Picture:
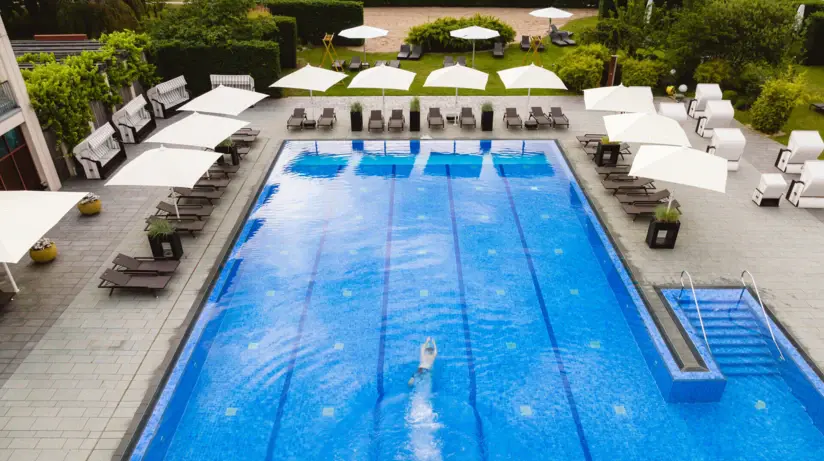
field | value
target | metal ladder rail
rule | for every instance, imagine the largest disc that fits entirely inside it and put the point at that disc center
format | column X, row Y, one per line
column 763, row 310
column 697, row 309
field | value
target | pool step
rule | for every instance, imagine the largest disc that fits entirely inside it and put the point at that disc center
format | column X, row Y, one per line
column 750, row 370
column 741, row 360
column 721, row 350
column 719, row 315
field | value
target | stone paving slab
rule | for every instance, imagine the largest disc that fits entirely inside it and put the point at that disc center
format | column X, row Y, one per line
column 80, row 367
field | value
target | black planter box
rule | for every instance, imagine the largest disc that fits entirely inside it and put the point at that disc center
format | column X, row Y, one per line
column 414, row 120
column 662, row 234
column 356, row 119
column 166, row 246
column 232, row 151
column 486, row 121
column 607, row 154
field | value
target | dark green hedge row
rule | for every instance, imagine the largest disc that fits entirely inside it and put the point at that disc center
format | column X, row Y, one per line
column 288, row 41
column 257, row 58
column 503, row 3
column 606, row 7
column 315, row 18
column 814, row 43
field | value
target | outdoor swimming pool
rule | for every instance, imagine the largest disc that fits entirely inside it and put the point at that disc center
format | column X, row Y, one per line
column 356, row 251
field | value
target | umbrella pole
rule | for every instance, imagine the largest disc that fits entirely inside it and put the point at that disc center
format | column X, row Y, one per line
column 312, row 102
column 473, row 54
column 174, row 200
column 11, row 279
column 383, row 100
column 528, row 92
column 364, row 50
column 456, row 96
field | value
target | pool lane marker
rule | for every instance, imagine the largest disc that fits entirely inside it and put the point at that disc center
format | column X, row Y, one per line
column 470, row 358
column 559, row 360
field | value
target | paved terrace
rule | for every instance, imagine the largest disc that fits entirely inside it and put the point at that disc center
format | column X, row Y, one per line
column 79, row 367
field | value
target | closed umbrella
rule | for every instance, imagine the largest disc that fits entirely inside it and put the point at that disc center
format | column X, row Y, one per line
column 551, row 13
column 620, row 99
column 224, row 100
column 457, row 76
column 645, row 128
column 198, row 130
column 384, row 78
column 474, row 33
column 681, row 165
column 310, row 78
column 364, row 33
column 648, row 12
column 530, row 77
column 33, row 213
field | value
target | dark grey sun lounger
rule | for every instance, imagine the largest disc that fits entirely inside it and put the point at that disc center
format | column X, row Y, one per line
column 404, row 52
column 327, row 118
column 189, row 211
column 434, row 118
column 558, row 117
column 112, row 279
column 817, row 106
column 395, row 63
column 214, row 183
column 375, row 120
column 498, row 50
column 462, row 60
column 611, row 170
column 645, row 209
column 144, row 264
column 642, row 185
column 190, row 225
column 355, row 64
column 448, row 61
column 525, row 43
column 466, row 118
column 208, row 195
column 417, row 52
column 396, row 120
column 655, row 197
column 5, row 298
column 588, row 138
column 297, row 118
column 537, row 114
column 511, row 118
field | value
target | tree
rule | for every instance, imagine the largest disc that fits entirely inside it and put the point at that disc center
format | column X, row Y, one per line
column 213, row 21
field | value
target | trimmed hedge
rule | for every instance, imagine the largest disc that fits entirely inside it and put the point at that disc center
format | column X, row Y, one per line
column 814, row 43
column 288, row 41
column 434, row 36
column 315, row 18
column 258, row 58
column 475, row 3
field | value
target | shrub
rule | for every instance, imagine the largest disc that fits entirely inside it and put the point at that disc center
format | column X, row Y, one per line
column 663, row 213
column 95, row 18
column 582, row 67
column 642, row 72
column 814, row 42
column 213, row 22
column 476, row 3
column 730, row 95
column 315, row 18
column 749, row 80
column 415, row 104
column 714, row 71
column 288, row 40
column 196, row 61
column 434, row 36
column 778, row 98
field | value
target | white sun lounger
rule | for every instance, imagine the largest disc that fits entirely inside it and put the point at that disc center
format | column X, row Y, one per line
column 808, row 192
column 803, row 146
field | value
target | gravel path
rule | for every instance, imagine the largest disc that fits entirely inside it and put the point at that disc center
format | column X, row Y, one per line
column 398, row 20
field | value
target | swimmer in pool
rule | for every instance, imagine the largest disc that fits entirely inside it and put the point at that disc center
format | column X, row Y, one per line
column 429, row 351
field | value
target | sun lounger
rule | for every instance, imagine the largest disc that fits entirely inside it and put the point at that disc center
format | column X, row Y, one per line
column 396, row 120
column 417, row 52
column 213, row 183
column 612, row 170
column 5, row 298
column 375, row 121
column 588, row 138
column 646, row 210
column 511, row 118
column 380, row 63
column 297, row 118
column 404, row 52
column 395, row 63
column 808, row 190
column 339, row 64
column 434, row 118
column 498, row 50
column 448, row 61
column 190, row 225
column 558, row 117
column 560, row 37
column 247, row 132
column 655, row 197
column 112, row 279
column 187, row 211
column 462, row 60
column 524, row 42
column 327, row 118
column 197, row 194
column 537, row 114
column 144, row 264
column 466, row 117
column 817, row 106
column 355, row 64
column 640, row 185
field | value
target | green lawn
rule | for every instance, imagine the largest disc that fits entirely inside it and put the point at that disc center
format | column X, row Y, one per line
column 484, row 61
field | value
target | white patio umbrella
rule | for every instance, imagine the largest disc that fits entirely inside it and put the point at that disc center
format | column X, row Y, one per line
column 474, row 33
column 457, row 76
column 365, row 33
column 551, row 13
column 310, row 78
column 198, row 130
column 681, row 165
column 31, row 214
column 799, row 18
column 224, row 100
column 164, row 167
column 383, row 78
column 645, row 128
column 530, row 77
column 620, row 99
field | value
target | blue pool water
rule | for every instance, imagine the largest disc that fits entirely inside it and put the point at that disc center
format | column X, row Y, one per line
column 357, row 251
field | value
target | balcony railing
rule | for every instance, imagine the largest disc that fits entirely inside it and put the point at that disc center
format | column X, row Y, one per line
column 7, row 102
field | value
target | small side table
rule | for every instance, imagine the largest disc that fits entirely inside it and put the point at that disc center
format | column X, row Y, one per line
column 311, row 124
column 452, row 119
column 531, row 124
column 769, row 190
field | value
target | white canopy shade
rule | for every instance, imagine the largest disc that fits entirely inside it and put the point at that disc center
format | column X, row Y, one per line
column 620, row 99
column 799, row 18
column 673, row 110
column 224, row 100
column 33, row 213
column 681, row 165
column 551, row 13
column 645, row 128
column 310, row 78
column 384, row 78
column 198, row 130
column 363, row 32
column 474, row 33
column 529, row 77
column 457, row 76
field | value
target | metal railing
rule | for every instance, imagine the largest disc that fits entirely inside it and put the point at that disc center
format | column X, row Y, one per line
column 697, row 309
column 7, row 102
column 763, row 309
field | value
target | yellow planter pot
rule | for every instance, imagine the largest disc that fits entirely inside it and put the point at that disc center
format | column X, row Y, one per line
column 45, row 255
column 90, row 208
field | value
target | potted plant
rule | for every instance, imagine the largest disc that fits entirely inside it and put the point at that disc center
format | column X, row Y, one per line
column 227, row 146
column 90, row 204
column 43, row 251
column 356, row 116
column 164, row 240
column 663, row 229
column 487, row 116
column 415, row 114
column 607, row 152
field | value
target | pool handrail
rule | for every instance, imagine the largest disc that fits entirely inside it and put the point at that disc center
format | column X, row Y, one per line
column 763, row 309
column 697, row 309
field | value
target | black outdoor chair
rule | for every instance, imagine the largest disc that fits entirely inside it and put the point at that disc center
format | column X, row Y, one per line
column 405, row 51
